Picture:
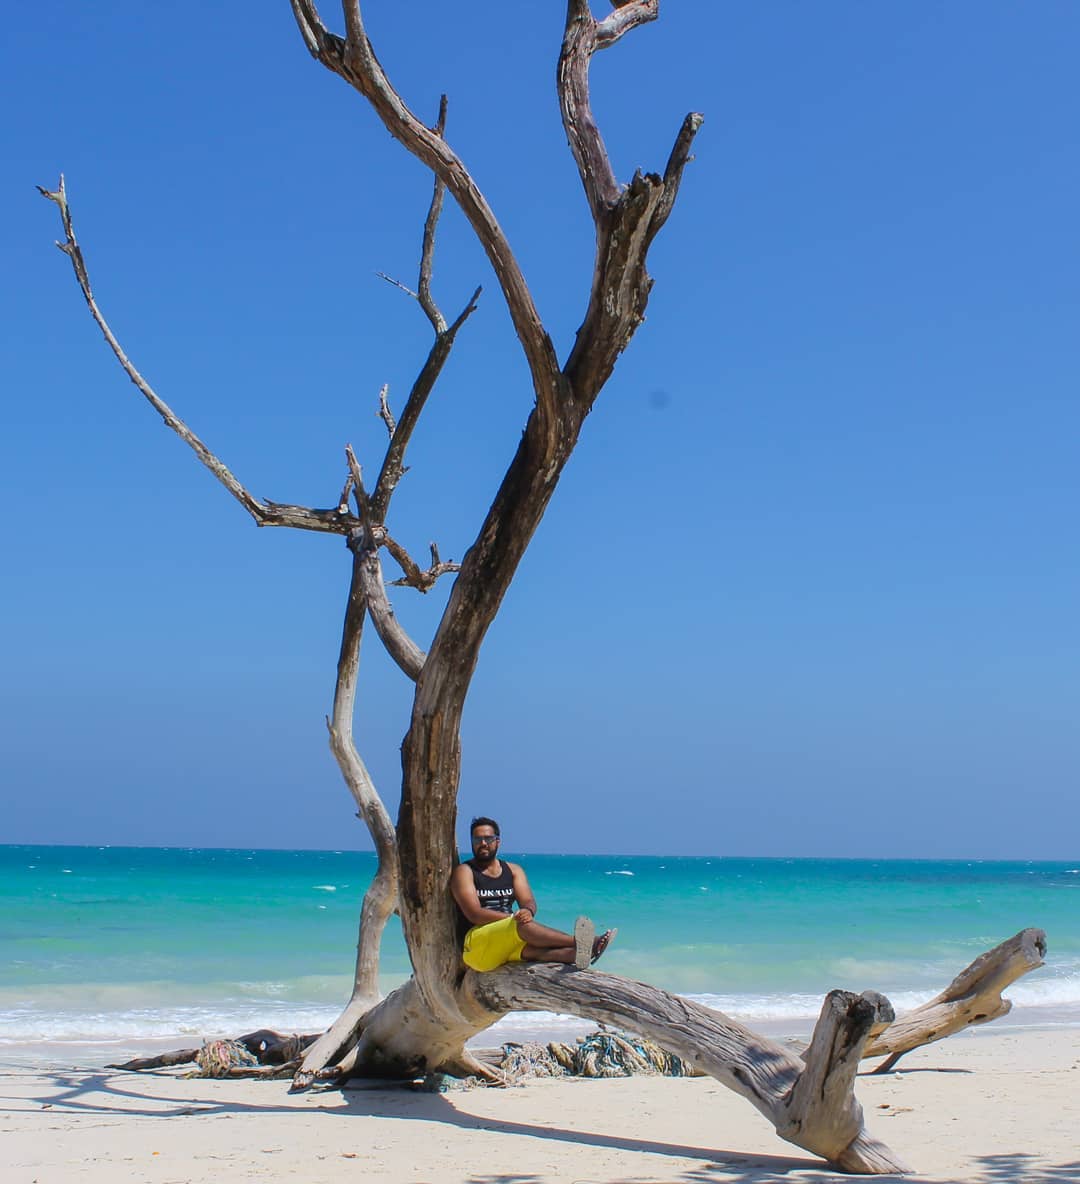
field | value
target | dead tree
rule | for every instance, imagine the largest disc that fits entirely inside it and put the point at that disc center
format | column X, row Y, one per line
column 424, row 1024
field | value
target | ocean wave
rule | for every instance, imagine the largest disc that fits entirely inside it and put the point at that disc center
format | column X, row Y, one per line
column 182, row 1023
column 265, row 1007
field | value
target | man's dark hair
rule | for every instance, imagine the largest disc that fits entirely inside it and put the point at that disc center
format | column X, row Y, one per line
column 484, row 822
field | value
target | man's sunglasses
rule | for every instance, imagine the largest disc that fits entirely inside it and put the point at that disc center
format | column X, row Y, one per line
column 484, row 840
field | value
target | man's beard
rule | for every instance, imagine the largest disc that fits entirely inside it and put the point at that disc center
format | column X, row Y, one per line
column 484, row 860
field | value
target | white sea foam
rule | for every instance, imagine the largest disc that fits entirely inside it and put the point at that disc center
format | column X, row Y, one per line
column 184, row 1023
column 618, row 873
column 325, row 887
column 1054, row 999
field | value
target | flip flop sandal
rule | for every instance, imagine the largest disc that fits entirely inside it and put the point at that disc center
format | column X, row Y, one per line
column 602, row 942
column 584, row 941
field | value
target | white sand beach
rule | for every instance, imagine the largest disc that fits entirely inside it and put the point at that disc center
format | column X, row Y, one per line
column 997, row 1105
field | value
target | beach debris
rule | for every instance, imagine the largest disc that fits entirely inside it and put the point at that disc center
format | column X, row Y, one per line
column 270, row 1054
column 530, row 1059
column 217, row 1057
column 601, row 1054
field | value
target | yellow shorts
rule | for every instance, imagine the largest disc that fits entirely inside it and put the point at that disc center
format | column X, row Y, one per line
column 490, row 946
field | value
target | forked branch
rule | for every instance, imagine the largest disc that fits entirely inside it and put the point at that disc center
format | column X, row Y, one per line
column 401, row 430
column 582, row 37
column 973, row 997
column 353, row 59
column 368, row 579
column 265, row 513
column 393, row 465
column 415, row 576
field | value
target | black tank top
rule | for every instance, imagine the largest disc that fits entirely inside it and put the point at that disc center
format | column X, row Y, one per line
column 495, row 892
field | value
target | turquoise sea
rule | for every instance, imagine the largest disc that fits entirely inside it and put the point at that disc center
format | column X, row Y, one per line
column 117, row 947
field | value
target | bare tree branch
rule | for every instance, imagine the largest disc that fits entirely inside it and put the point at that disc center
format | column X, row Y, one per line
column 414, row 577
column 394, row 463
column 265, row 513
column 586, row 143
column 678, row 160
column 359, row 492
column 621, row 283
column 381, row 897
column 397, row 284
column 354, row 60
column 422, row 295
column 628, row 15
column 582, row 37
column 343, row 500
column 399, row 645
column 427, row 252
column 365, row 545
column 385, row 414
column 626, row 220
column 316, row 36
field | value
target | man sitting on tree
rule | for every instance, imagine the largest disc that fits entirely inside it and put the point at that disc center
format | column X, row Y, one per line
column 486, row 889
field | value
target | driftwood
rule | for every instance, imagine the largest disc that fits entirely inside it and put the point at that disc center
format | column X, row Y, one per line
column 274, row 1052
column 423, row 1026
column 809, row 1101
column 808, row 1098
column 973, row 997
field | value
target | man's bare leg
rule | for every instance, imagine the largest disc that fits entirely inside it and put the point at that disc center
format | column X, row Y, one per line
column 543, row 944
column 552, row 945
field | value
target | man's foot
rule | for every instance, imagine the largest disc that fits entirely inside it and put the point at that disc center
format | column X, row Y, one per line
column 584, row 942
column 602, row 942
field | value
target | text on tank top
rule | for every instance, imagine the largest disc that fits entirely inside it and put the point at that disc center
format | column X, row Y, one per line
column 495, row 892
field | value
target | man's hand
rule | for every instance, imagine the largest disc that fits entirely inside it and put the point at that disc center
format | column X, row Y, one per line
column 524, row 916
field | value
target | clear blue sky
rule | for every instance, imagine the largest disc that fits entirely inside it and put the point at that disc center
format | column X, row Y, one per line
column 810, row 585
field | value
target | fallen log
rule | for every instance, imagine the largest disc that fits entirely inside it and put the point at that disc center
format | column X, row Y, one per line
column 810, row 1101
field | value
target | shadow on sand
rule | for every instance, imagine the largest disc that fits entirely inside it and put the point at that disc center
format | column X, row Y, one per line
column 106, row 1092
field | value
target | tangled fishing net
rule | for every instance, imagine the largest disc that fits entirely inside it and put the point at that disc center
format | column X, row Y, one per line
column 217, row 1057
column 603, row 1054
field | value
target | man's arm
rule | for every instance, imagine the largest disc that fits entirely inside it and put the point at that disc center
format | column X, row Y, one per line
column 463, row 890
column 523, row 894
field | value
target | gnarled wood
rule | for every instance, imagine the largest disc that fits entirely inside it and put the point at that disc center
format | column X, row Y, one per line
column 265, row 513
column 810, row 1103
column 973, row 997
column 820, row 1111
